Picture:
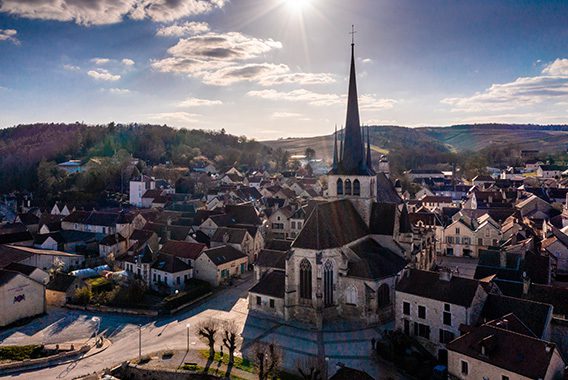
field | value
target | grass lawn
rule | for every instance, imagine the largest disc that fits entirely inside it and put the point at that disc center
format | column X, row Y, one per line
column 245, row 365
column 19, row 353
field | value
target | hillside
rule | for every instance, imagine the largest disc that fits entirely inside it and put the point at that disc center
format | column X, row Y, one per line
column 442, row 140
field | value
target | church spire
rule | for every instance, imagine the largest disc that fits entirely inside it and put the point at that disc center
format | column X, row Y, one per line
column 341, row 143
column 353, row 153
column 335, row 159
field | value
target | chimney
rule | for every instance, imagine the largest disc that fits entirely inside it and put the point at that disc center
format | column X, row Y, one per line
column 445, row 275
column 526, row 284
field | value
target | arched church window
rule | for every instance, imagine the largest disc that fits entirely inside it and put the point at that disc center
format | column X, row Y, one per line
column 347, row 187
column 328, row 283
column 305, row 279
column 383, row 295
column 339, row 186
column 351, row 295
column 356, row 187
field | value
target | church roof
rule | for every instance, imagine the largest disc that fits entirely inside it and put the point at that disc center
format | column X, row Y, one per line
column 386, row 192
column 376, row 261
column 383, row 218
column 331, row 225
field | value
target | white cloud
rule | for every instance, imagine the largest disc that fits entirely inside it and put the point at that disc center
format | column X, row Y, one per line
column 173, row 117
column 101, row 12
column 9, row 35
column 366, row 60
column 104, row 75
column 71, row 67
column 100, row 61
column 285, row 115
column 181, row 30
column 196, row 102
column 550, row 87
column 118, row 91
column 127, row 62
column 224, row 59
column 367, row 102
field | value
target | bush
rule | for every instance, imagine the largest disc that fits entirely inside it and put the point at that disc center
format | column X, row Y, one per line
column 99, row 284
column 20, row 353
column 83, row 295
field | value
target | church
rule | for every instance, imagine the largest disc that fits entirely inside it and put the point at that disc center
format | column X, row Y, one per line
column 346, row 260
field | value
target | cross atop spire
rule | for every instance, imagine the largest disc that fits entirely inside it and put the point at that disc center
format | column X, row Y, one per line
column 352, row 35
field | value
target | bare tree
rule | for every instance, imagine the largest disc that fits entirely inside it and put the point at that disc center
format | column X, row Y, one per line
column 268, row 359
column 310, row 368
column 231, row 338
column 208, row 330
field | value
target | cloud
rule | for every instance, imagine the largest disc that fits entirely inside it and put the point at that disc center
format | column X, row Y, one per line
column 118, row 91
column 181, row 30
column 71, row 67
column 173, row 117
column 367, row 102
column 223, row 59
column 100, row 61
column 9, row 35
column 127, row 62
column 196, row 102
column 285, row 115
column 367, row 60
column 551, row 86
column 101, row 12
column 104, row 75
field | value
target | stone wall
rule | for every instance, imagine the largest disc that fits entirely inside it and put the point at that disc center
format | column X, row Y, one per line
column 132, row 372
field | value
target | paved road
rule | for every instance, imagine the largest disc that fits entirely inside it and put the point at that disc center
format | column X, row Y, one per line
column 350, row 347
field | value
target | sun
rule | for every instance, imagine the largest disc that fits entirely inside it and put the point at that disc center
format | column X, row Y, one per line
column 297, row 5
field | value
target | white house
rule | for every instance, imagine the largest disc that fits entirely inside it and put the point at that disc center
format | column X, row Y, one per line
column 20, row 297
column 218, row 265
column 138, row 187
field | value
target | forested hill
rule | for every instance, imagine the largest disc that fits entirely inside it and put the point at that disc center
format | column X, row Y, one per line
column 415, row 147
column 24, row 146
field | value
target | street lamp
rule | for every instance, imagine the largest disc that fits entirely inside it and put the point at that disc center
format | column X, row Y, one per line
column 97, row 320
column 187, row 326
column 326, row 367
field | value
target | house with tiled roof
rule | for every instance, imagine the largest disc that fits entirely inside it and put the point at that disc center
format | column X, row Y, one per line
column 219, row 265
column 502, row 350
column 432, row 306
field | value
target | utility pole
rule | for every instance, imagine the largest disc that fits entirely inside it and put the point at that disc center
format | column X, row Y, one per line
column 187, row 326
column 139, row 343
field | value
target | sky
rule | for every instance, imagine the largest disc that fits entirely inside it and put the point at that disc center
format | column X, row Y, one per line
column 278, row 68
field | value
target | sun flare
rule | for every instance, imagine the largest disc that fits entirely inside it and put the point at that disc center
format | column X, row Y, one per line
column 297, row 5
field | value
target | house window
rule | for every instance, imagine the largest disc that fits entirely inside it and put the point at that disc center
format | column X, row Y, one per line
column 480, row 241
column 422, row 312
column 299, row 225
column 339, row 187
column 154, row 277
column 258, row 300
column 356, row 187
column 407, row 327
column 347, row 187
column 383, row 296
column 294, row 225
column 305, row 279
column 447, row 318
column 464, row 367
column 446, row 336
column 406, row 308
column 504, row 377
column 457, row 231
column 487, row 233
column 422, row 330
column 272, row 303
column 178, row 280
column 450, row 239
column 466, row 240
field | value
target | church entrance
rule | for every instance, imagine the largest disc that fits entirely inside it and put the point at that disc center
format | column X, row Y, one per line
column 328, row 283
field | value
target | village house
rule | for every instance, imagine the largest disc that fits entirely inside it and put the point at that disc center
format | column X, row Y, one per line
column 503, row 349
column 62, row 288
column 550, row 171
column 432, row 306
column 466, row 235
column 218, row 265
column 20, row 297
column 138, row 187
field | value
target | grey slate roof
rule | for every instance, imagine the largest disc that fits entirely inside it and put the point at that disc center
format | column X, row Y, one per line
column 271, row 285
column 330, row 225
column 376, row 261
column 458, row 291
